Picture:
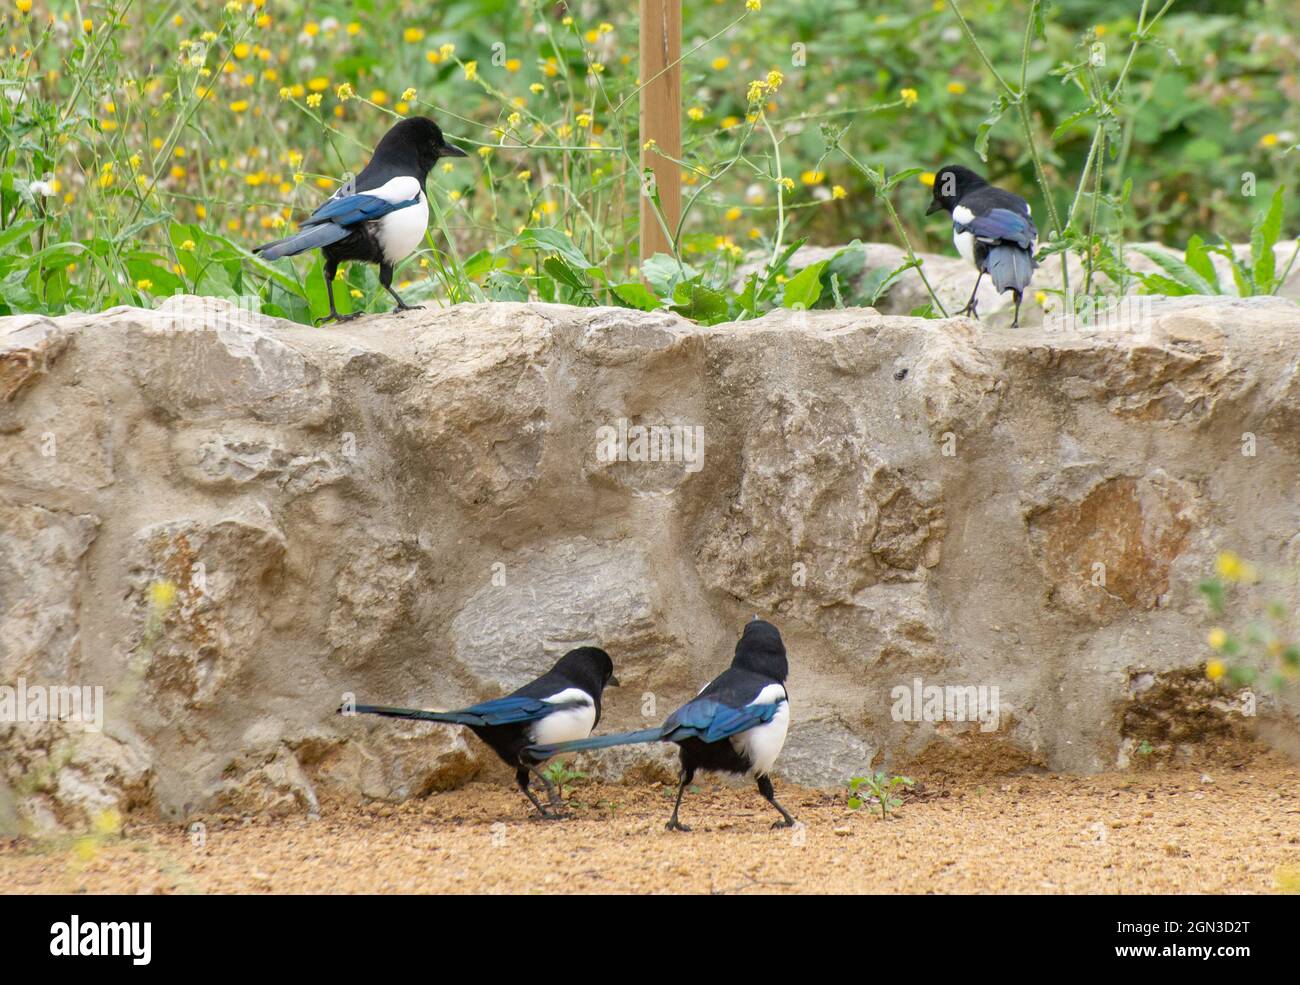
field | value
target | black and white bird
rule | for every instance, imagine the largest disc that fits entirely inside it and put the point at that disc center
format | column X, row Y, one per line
column 736, row 724
column 991, row 228
column 381, row 216
column 562, row 704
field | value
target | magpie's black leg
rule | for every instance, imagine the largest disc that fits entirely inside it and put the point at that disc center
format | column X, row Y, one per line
column 386, row 278
column 1016, row 323
column 521, row 778
column 329, row 271
column 673, row 823
column 970, row 305
column 553, row 797
column 765, row 788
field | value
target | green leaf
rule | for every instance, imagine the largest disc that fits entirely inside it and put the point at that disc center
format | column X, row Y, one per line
column 547, row 239
column 804, row 288
column 662, row 272
column 1183, row 274
column 700, row 303
column 985, row 130
column 636, row 295
column 1264, row 234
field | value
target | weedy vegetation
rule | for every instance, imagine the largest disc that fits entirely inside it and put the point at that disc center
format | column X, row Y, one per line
column 882, row 788
column 146, row 148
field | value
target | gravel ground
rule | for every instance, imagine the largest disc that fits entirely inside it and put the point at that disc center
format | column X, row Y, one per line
column 1228, row 831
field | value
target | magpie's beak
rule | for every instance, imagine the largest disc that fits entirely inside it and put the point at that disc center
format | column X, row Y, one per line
column 934, row 207
column 450, row 150
column 612, row 682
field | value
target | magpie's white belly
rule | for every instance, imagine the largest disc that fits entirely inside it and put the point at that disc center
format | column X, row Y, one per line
column 965, row 243
column 402, row 231
column 762, row 744
column 569, row 724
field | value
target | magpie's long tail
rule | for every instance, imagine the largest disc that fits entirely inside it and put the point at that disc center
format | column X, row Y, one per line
column 536, row 754
column 451, row 717
column 1011, row 267
column 310, row 238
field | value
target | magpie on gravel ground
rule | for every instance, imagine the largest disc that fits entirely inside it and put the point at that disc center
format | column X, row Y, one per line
column 378, row 218
column 736, row 724
column 991, row 228
column 562, row 704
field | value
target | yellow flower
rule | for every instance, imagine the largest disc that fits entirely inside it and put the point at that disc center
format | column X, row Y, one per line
column 1040, row 297
column 813, row 177
column 484, row 152
column 755, row 92
column 525, row 176
column 729, row 122
column 1233, row 568
column 241, row 50
column 732, row 214
column 1268, row 140
column 956, row 88
column 24, row 6
column 344, row 92
column 413, row 35
column 909, row 97
column 311, row 29
column 605, row 27
column 513, row 64
column 471, row 71
column 107, row 822
column 583, row 120
column 926, row 178
column 318, row 84
column 379, row 97
column 144, row 285
column 1099, row 30
column 536, row 88
column 1215, row 669
column 87, row 25
column 598, row 68
column 313, row 100
column 719, row 63
column 239, row 106
column 356, row 293
column 446, row 51
column 774, row 80
column 408, row 95
column 188, row 246
column 695, row 113
column 284, row 92
column 1217, row 638
column 162, row 594
column 754, row 6
column 787, row 184
column 837, row 191
column 354, row 28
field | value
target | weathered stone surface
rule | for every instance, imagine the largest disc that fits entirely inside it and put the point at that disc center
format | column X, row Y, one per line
column 416, row 510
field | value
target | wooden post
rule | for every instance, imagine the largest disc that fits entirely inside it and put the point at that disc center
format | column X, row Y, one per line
column 661, row 118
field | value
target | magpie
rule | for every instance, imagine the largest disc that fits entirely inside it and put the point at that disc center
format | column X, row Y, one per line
column 562, row 704
column 381, row 216
column 991, row 228
column 736, row 724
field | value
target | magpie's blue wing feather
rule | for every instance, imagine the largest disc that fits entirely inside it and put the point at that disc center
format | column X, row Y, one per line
column 710, row 720
column 353, row 209
column 1002, row 225
column 512, row 709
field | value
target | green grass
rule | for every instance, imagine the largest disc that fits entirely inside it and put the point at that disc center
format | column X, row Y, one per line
column 147, row 148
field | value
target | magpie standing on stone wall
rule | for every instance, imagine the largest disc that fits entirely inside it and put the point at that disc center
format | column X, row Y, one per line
column 991, row 228
column 378, row 218
column 736, row 724
column 562, row 704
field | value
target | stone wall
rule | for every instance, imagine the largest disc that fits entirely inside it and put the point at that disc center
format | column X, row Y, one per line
column 230, row 522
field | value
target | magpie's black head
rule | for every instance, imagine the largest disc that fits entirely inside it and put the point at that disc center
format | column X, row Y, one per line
column 760, row 650
column 589, row 667
column 951, row 184
column 415, row 145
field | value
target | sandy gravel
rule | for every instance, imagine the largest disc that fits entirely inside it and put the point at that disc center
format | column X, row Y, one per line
column 1222, row 832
